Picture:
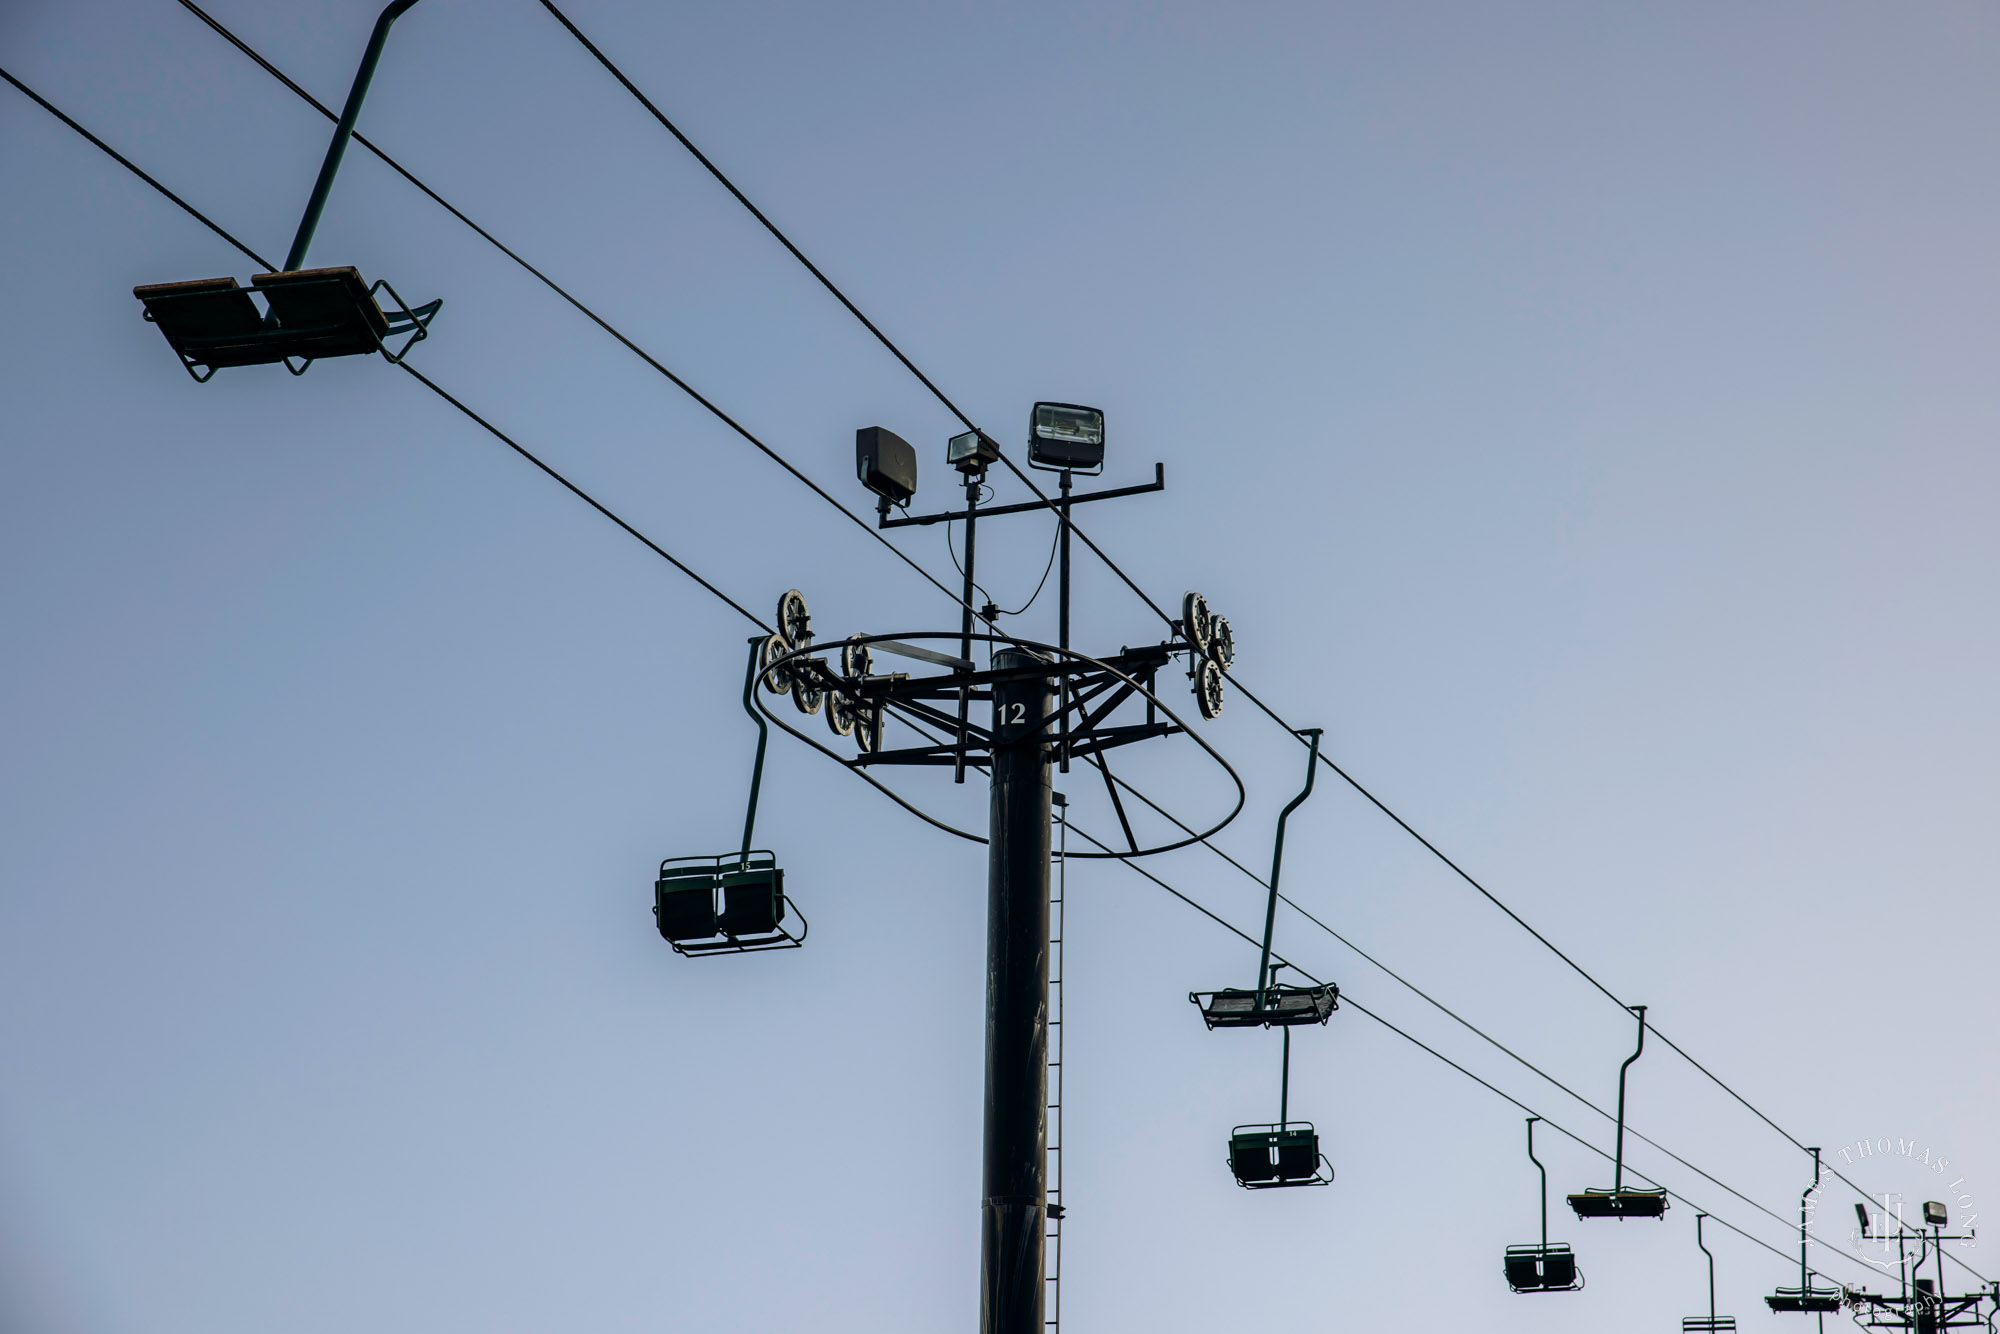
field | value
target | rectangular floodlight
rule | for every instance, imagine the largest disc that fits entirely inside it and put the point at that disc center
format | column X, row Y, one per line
column 1064, row 437
column 971, row 451
column 886, row 463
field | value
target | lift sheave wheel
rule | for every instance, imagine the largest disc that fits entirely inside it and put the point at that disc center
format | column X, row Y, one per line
column 777, row 680
column 840, row 713
column 794, row 621
column 1196, row 620
column 1809, row 1301
column 1208, row 688
column 1221, row 642
column 807, row 691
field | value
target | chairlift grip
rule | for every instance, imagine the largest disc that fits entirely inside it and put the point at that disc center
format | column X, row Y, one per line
column 1312, row 735
column 1618, row 1164
column 763, row 736
column 343, row 131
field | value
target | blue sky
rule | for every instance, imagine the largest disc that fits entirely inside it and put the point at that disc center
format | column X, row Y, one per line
column 1585, row 414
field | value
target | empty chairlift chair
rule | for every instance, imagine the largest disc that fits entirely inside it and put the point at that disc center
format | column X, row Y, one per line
column 1281, row 1153
column 1807, row 1298
column 1710, row 1323
column 1285, row 1152
column 1543, row 1268
column 1622, row 1201
column 733, row 903
column 307, row 314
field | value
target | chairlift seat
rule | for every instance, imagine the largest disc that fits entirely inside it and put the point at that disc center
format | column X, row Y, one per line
column 1270, row 1155
column 1704, row 1324
column 1550, row 1268
column 1808, row 1300
column 753, row 902
column 752, row 912
column 1283, row 1006
column 309, row 313
column 684, row 902
column 211, row 322
column 324, row 312
column 1628, row 1203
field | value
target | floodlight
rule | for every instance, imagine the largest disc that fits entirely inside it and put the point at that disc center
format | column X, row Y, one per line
column 1934, row 1213
column 1861, row 1212
column 1063, row 437
column 886, row 464
column 971, row 452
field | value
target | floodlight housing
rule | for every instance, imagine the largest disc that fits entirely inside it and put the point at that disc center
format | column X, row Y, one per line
column 886, row 464
column 1066, row 437
column 1934, row 1215
column 971, row 452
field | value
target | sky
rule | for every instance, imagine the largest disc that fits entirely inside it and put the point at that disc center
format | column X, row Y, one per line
column 1584, row 413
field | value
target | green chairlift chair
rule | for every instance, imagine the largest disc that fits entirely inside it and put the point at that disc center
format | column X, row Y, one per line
column 1543, row 1268
column 1807, row 1298
column 307, row 314
column 1285, row 1153
column 1269, row 1004
column 734, row 903
column 1622, row 1201
column 1710, row 1323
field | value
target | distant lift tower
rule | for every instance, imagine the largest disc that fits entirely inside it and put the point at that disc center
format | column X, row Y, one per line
column 1921, row 1304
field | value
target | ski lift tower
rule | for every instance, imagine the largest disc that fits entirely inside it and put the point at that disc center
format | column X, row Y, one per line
column 1051, row 705
column 1922, row 1304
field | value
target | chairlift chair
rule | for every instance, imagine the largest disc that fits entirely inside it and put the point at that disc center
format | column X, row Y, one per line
column 307, row 314
column 1710, row 1323
column 1545, row 1267
column 733, row 903
column 1270, row 1004
column 1280, row 1153
column 1622, row 1201
column 1284, row 1153
column 1807, row 1298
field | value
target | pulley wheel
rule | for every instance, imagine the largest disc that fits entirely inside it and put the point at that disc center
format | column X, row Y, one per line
column 807, row 692
column 1221, row 641
column 794, row 621
column 1208, row 688
column 856, row 659
column 840, row 714
column 779, row 680
column 865, row 718
column 1196, row 621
